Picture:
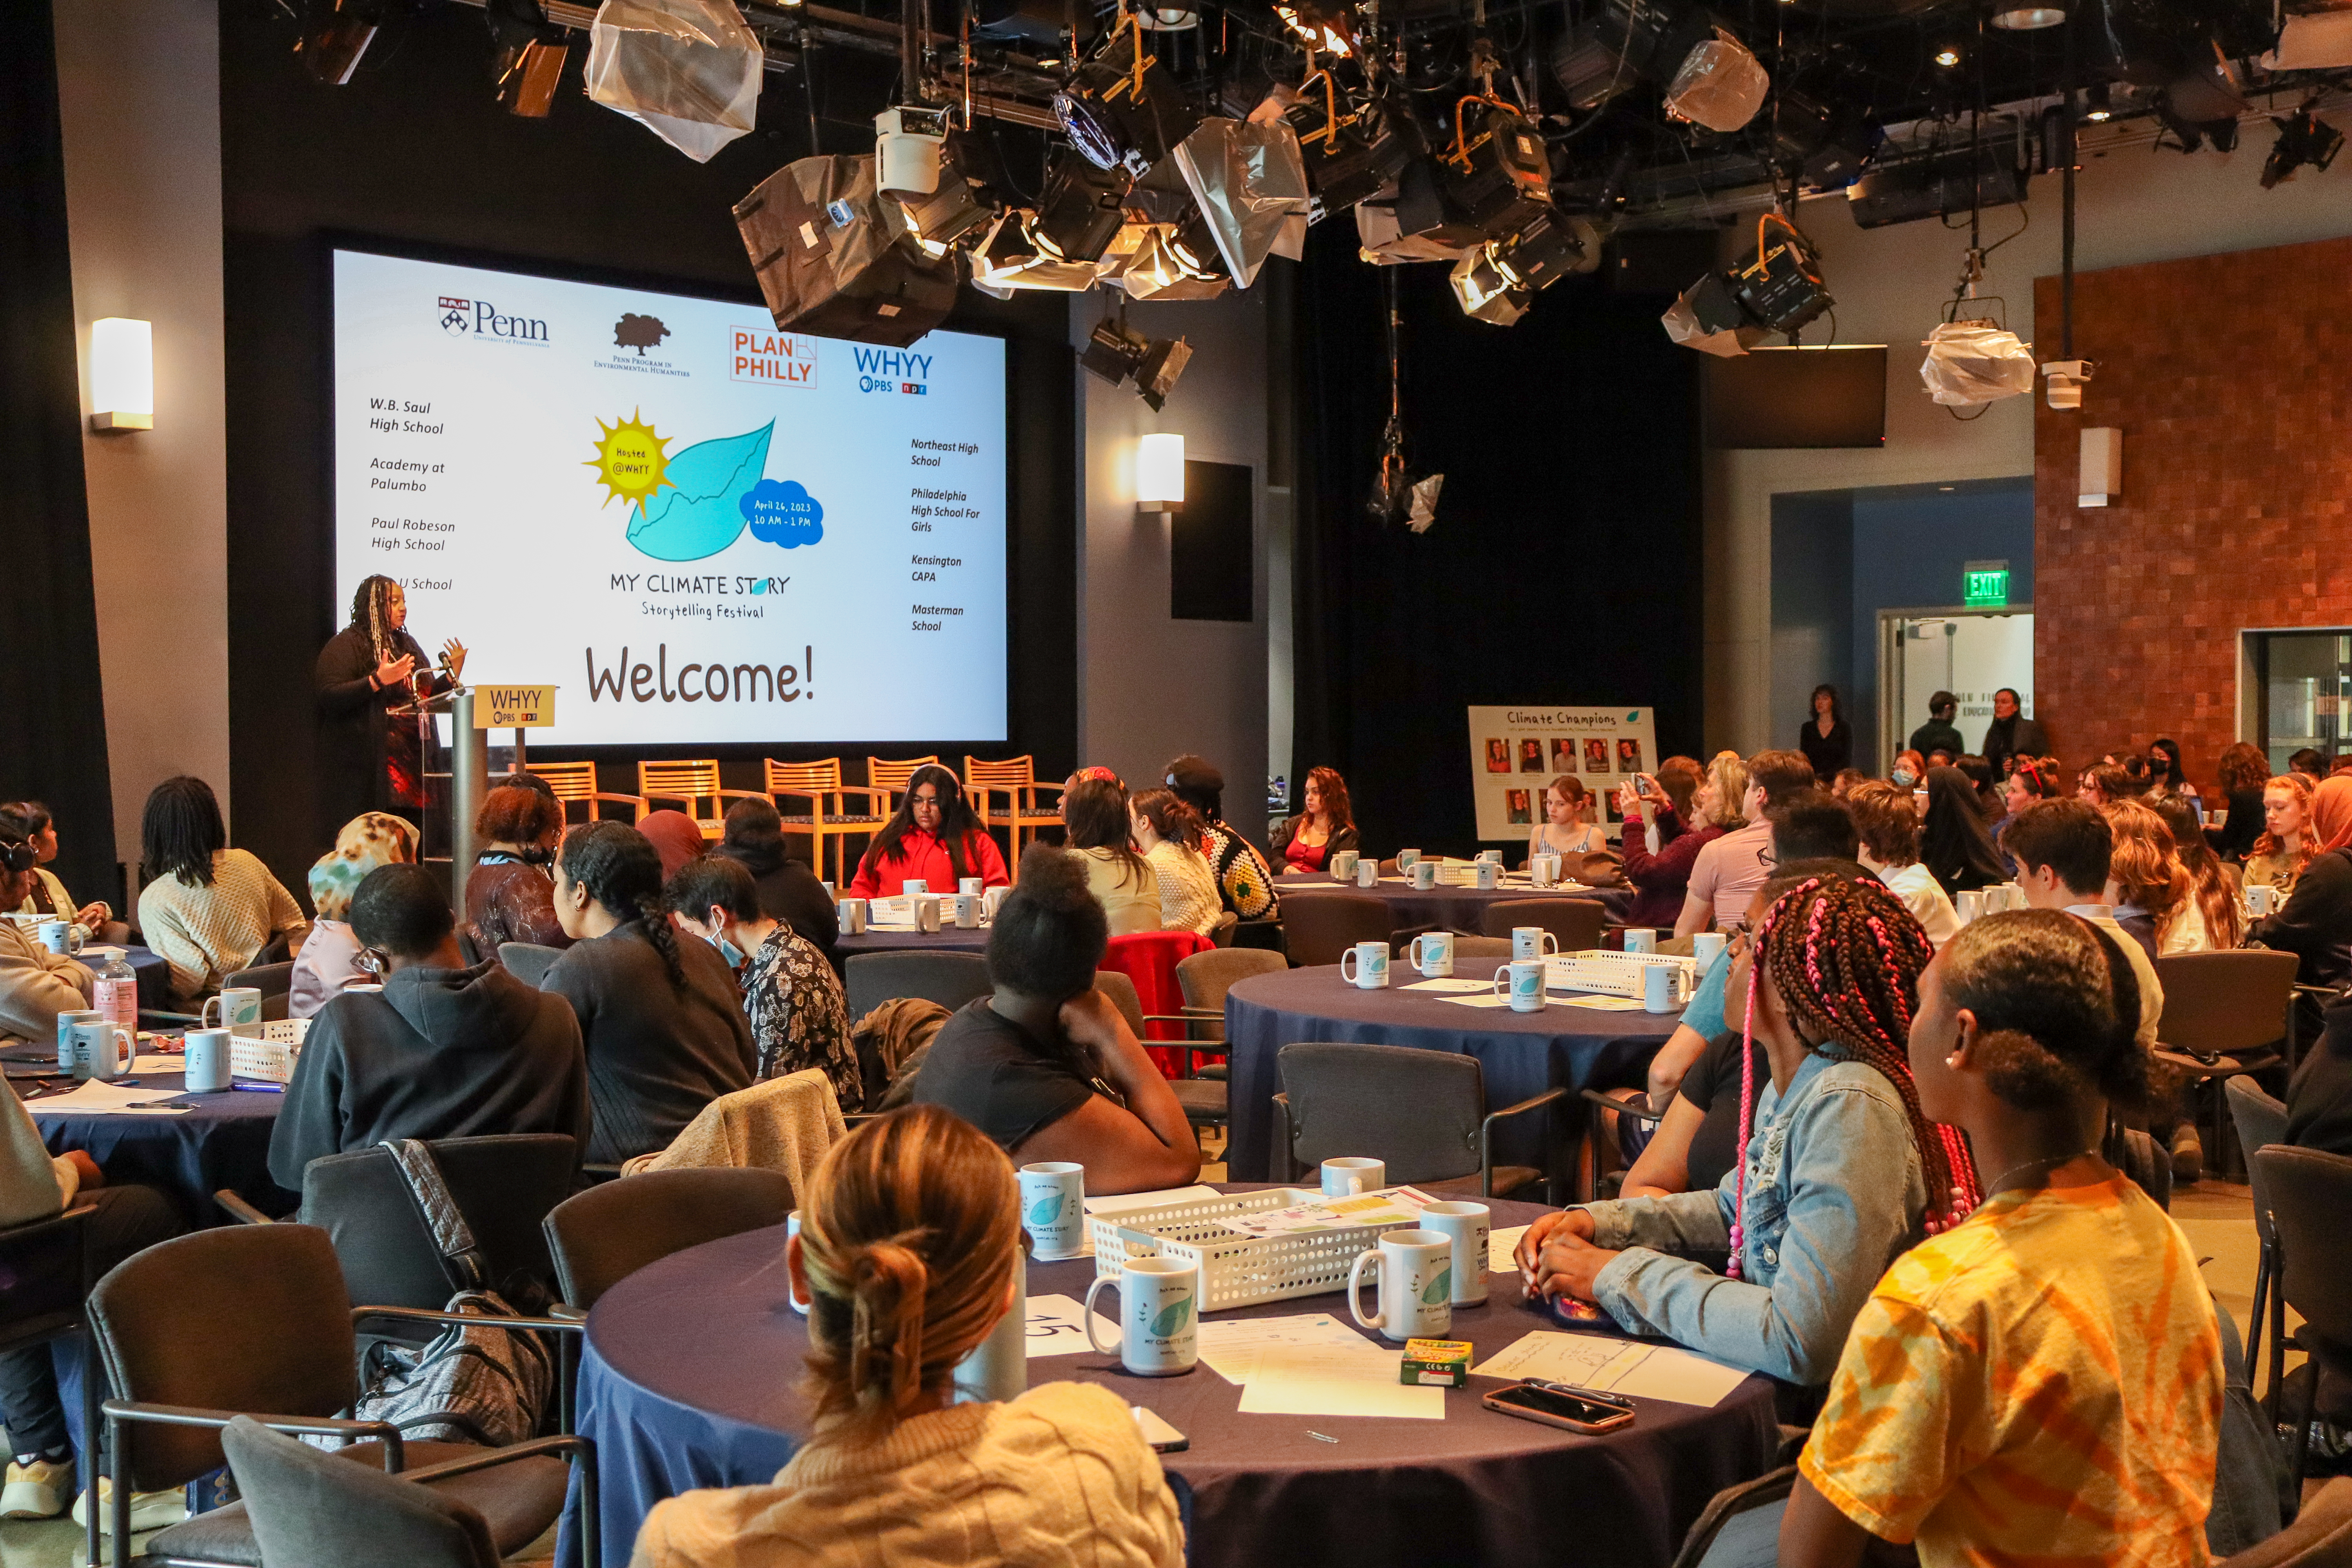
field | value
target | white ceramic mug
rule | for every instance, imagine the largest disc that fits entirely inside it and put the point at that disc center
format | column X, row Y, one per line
column 1159, row 1315
column 992, row 900
column 927, row 913
column 239, row 1011
column 1522, row 980
column 206, row 1063
column 1343, row 865
column 1490, row 856
column 1405, row 857
column 1543, row 870
column 66, row 1022
column 1415, row 1288
column 1489, row 875
column 2257, row 899
column 63, row 937
column 102, row 1049
column 1432, row 952
column 1659, row 992
column 1706, row 947
column 1350, row 1175
column 800, row 1302
column 1968, row 904
column 915, row 888
column 1532, row 941
column 851, row 913
column 1422, row 874
column 1371, row 966
column 997, row 1369
column 1368, row 873
column 1466, row 1225
column 1641, row 939
column 1054, row 1208
column 975, row 886
column 832, row 894
column 966, row 911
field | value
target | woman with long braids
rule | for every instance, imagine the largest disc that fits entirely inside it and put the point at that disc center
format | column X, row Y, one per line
column 1842, row 1172
column 910, row 1234
column 934, row 837
column 661, row 1020
column 372, row 761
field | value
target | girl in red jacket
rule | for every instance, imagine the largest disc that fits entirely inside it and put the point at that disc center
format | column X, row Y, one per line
column 935, row 838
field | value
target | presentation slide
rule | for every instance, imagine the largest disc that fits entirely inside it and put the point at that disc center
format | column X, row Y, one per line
column 698, row 529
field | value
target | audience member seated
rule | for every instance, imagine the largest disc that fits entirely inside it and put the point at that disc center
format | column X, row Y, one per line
column 1047, row 1066
column 2064, row 851
column 445, row 1050
column 1843, row 785
column 789, row 890
column 34, row 1185
column 2166, row 778
column 30, row 821
column 1939, row 733
column 1953, row 842
column 509, row 897
column 2317, row 924
column 2244, row 772
column 329, row 957
column 1567, row 829
column 211, row 910
column 36, row 985
column 2103, row 784
column 2310, row 763
column 660, row 1019
column 934, row 837
column 2277, row 857
column 1095, row 812
column 2028, row 781
column 2010, row 733
column 910, row 1235
column 1244, row 881
column 1940, row 1427
column 791, row 997
column 1729, row 870
column 1829, row 990
column 1910, row 769
column 1169, row 833
column 1889, row 830
column 2319, row 1096
column 1984, row 781
column 2146, row 884
column 1825, row 738
column 1684, row 809
column 1308, row 841
column 2213, row 895
column 676, row 837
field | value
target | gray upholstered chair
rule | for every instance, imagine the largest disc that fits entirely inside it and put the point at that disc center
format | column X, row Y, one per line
column 274, row 981
column 2261, row 1122
column 2310, row 1191
column 1421, row 1113
column 603, row 1235
column 527, row 960
column 1319, row 927
column 950, row 979
column 2224, row 1014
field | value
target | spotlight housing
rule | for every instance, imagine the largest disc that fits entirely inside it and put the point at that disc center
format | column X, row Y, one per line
column 2304, row 140
column 2029, row 18
column 2098, row 104
column 335, row 34
column 1351, row 152
column 1499, row 178
column 1123, row 109
column 1080, row 213
column 1948, row 56
column 531, row 52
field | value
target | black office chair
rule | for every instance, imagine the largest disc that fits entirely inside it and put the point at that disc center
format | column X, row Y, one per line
column 44, row 1281
column 2261, row 1121
column 1741, row 1524
column 603, row 1235
column 1319, row 927
column 950, row 979
column 1576, row 922
column 2310, row 1193
column 1422, row 1114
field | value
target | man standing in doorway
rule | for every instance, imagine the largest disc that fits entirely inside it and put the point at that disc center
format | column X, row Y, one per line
column 1939, row 733
column 2011, row 734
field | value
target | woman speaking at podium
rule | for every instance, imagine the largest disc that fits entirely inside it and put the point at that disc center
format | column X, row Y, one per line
column 371, row 759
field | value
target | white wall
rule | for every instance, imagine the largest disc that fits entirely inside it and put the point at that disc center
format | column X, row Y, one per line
column 1150, row 686
column 139, row 85
column 2133, row 204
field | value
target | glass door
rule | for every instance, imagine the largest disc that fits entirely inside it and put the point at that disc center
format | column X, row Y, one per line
column 2306, row 680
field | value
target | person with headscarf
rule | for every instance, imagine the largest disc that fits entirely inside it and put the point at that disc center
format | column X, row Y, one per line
column 372, row 759
column 676, row 838
column 1953, row 842
column 329, row 957
column 2317, row 923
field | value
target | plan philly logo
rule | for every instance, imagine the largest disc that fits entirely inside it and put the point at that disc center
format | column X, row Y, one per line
column 482, row 321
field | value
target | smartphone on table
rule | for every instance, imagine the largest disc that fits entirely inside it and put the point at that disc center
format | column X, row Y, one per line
column 1562, row 1404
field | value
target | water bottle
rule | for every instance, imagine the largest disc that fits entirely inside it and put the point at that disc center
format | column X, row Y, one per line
column 117, row 992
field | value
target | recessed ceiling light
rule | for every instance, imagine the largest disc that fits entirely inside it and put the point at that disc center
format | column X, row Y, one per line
column 2029, row 18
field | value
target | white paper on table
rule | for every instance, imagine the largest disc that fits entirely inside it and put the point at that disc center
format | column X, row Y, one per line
column 1485, row 984
column 1336, row 1380
column 1615, row 1366
column 1488, row 1000
column 96, row 950
column 1385, row 1207
column 1605, row 1004
column 1229, row 1346
column 1500, row 1246
column 97, row 1098
column 1057, row 1325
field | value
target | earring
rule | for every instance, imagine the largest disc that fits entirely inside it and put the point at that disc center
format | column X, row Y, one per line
column 1953, row 1060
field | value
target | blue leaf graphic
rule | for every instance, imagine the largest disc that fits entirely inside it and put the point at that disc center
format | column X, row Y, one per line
column 1046, row 1210
column 1171, row 1317
column 701, row 515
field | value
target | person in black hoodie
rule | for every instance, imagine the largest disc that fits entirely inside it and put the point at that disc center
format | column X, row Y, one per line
column 442, row 1051
column 789, row 890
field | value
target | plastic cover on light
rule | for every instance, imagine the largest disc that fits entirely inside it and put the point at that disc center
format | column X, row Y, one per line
column 1250, row 180
column 1720, row 85
column 1681, row 324
column 1970, row 363
column 688, row 70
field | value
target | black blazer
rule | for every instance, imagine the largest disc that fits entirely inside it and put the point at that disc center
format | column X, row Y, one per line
column 1831, row 753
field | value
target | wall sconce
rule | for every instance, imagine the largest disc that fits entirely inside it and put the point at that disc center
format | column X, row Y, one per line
column 1158, row 473
column 121, row 375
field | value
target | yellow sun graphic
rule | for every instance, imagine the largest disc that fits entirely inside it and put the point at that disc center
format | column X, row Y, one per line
column 629, row 460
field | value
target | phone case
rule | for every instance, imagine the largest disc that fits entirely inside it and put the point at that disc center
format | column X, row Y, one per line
column 1588, row 1428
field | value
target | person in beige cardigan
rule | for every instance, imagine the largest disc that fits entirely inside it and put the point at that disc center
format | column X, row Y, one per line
column 36, row 985
column 1058, row 1478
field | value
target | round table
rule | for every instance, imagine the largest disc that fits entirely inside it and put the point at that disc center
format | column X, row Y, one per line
column 1521, row 1054
column 947, row 938
column 221, row 1142
column 690, row 1378
column 1445, row 906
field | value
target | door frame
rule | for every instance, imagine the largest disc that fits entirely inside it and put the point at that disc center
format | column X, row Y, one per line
column 1891, row 731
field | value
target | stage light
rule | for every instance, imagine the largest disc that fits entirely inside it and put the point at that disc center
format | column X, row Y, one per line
column 2098, row 104
column 1720, row 85
column 2029, row 18
column 122, row 373
column 2066, row 378
column 1974, row 362
column 835, row 260
column 1010, row 258
column 1485, row 292
column 1349, row 152
column 2302, row 138
column 1249, row 183
column 1548, row 249
column 1125, row 110
column 1780, row 286
column 1948, row 55
column 531, row 52
column 908, row 143
column 1324, row 29
column 1156, row 377
column 1112, row 351
column 1499, row 179
column 688, row 70
column 335, row 34
column 1158, row 473
column 1081, row 212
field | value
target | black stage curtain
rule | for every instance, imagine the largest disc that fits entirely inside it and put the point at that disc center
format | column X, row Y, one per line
column 1564, row 564
column 52, row 721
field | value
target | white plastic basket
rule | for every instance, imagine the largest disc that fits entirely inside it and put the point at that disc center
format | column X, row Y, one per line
column 1616, row 973
column 1237, row 1270
column 270, row 1058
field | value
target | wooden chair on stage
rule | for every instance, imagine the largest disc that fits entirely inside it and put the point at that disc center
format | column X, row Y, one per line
column 828, row 814
column 1016, row 780
column 575, row 783
column 886, row 781
column 694, row 785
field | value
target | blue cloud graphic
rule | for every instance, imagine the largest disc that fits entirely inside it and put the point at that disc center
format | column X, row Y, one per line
column 782, row 512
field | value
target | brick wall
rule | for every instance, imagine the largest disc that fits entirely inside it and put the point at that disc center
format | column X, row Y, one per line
column 2231, row 378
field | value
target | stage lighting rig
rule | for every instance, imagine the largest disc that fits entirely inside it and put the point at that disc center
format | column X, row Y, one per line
column 1009, row 257
column 1081, row 212
column 1321, row 30
column 1117, row 354
column 335, row 34
column 1497, row 177
column 1123, row 109
column 1778, row 288
column 1485, row 292
column 1720, row 85
column 2304, row 140
column 530, row 57
column 1351, row 152
column 833, row 259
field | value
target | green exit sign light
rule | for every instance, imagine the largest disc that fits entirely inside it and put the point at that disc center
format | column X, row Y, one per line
column 1985, row 584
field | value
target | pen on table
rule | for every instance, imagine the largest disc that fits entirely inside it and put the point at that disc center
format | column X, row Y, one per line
column 260, row 1087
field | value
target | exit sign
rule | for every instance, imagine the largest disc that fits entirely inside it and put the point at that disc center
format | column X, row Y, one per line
column 1984, row 585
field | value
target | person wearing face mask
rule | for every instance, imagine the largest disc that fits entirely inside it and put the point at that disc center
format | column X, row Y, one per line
column 793, row 999
column 1938, row 733
column 509, row 897
column 934, row 837
column 1910, row 768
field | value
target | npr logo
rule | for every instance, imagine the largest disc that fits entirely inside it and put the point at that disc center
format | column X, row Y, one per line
column 480, row 319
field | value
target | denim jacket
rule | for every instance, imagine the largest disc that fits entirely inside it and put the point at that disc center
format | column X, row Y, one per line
column 1825, row 1216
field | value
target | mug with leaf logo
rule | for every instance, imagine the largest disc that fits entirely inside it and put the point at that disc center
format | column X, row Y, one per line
column 1414, row 1282
column 1054, row 1208
column 1159, row 1315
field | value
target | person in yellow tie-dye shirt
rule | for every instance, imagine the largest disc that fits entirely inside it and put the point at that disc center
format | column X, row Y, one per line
column 2042, row 1384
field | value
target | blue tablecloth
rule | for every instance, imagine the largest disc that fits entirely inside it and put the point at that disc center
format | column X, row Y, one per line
column 154, row 975
column 1521, row 1054
column 1445, row 906
column 690, row 1379
column 947, row 938
column 222, row 1144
